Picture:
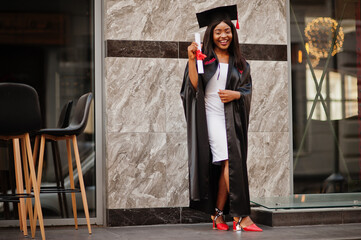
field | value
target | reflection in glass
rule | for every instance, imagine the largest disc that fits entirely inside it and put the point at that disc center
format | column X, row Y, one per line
column 335, row 88
column 319, row 33
column 310, row 85
column 336, row 109
column 49, row 45
column 350, row 108
column 350, row 87
column 326, row 117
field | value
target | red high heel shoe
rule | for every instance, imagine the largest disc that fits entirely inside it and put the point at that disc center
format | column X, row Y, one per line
column 219, row 226
column 251, row 228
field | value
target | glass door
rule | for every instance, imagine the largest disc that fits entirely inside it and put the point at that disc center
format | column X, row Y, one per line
column 50, row 46
column 326, row 95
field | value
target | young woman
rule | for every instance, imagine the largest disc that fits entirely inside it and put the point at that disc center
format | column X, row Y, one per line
column 217, row 106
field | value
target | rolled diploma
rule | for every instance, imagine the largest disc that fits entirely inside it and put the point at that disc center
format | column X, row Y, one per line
column 199, row 62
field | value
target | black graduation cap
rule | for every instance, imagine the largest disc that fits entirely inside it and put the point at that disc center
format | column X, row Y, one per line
column 209, row 16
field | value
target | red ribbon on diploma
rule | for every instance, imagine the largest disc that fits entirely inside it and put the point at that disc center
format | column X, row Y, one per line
column 200, row 55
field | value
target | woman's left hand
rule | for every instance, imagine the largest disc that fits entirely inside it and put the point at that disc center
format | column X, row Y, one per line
column 228, row 95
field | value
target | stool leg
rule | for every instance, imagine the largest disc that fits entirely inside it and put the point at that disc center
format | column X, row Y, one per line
column 36, row 149
column 20, row 218
column 20, row 189
column 35, row 187
column 41, row 160
column 29, row 204
column 40, row 171
column 81, row 182
column 71, row 177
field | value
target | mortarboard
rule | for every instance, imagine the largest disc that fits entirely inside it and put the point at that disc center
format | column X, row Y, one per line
column 209, row 16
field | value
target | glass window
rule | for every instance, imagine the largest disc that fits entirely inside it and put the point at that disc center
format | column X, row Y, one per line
column 325, row 38
column 49, row 45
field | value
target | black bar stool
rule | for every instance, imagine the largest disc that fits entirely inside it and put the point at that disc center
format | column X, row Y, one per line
column 19, row 116
column 76, row 127
column 63, row 122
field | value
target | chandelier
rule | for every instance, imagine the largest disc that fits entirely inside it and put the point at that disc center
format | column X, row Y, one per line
column 319, row 33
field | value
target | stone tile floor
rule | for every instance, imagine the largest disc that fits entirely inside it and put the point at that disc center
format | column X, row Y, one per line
column 192, row 231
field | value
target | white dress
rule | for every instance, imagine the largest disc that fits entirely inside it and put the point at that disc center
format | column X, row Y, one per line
column 215, row 115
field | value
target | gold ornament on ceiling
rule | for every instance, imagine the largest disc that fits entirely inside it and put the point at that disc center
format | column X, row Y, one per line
column 319, row 33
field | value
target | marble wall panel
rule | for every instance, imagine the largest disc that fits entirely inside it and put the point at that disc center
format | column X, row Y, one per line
column 261, row 22
column 136, row 170
column 146, row 133
column 136, row 94
column 268, row 164
column 175, row 119
column 154, row 20
column 177, row 170
column 147, row 170
column 270, row 107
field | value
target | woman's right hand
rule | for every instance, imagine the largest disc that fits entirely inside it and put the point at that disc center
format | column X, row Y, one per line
column 192, row 51
column 192, row 54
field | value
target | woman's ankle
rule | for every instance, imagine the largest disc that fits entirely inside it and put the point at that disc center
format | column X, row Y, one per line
column 246, row 221
column 220, row 220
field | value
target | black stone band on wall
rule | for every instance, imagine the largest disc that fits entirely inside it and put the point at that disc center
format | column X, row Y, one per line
column 151, row 216
column 162, row 49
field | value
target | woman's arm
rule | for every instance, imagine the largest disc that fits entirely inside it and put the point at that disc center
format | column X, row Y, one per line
column 193, row 74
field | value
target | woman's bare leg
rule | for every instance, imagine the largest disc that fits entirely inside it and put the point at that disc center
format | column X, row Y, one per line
column 223, row 189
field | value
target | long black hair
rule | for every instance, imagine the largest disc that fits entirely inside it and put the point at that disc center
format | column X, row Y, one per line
column 233, row 49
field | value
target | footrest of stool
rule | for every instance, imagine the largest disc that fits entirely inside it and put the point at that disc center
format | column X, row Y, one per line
column 14, row 197
column 58, row 190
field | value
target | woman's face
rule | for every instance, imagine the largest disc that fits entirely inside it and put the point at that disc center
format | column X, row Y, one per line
column 222, row 36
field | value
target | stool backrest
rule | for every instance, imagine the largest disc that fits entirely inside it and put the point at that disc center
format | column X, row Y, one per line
column 64, row 117
column 81, row 113
column 19, row 109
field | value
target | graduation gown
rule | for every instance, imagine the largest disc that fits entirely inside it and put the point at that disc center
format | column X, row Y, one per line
column 203, row 175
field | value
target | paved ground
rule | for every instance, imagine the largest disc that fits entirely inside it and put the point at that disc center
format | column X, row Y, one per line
column 192, row 231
